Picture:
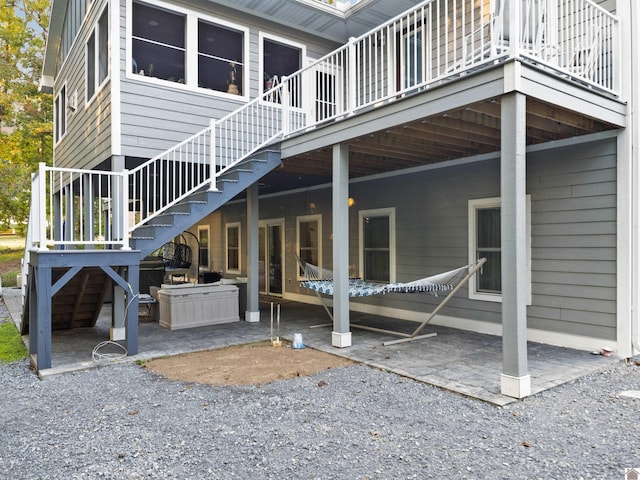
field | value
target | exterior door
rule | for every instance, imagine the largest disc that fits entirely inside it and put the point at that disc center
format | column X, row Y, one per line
column 270, row 258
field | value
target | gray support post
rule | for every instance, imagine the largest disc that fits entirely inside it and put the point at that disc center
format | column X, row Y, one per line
column 88, row 210
column 117, row 165
column 43, row 314
column 118, row 308
column 57, row 218
column 69, row 214
column 133, row 276
column 515, row 380
column 33, row 307
column 341, row 336
column 253, row 282
column 118, row 321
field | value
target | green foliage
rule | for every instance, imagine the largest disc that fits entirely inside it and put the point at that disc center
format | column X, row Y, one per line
column 12, row 347
column 25, row 114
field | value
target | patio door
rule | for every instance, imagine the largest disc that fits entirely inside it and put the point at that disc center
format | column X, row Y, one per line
column 270, row 258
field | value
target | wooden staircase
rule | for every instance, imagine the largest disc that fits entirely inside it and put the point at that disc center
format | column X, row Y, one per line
column 177, row 218
column 78, row 303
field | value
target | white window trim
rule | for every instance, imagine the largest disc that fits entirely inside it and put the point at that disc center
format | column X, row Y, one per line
column 309, row 218
column 262, row 36
column 379, row 212
column 60, row 110
column 493, row 202
column 191, row 51
column 204, row 228
column 98, row 86
column 226, row 247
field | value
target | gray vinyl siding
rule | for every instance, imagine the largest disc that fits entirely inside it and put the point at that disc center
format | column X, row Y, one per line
column 156, row 117
column 574, row 241
column 573, row 235
column 87, row 141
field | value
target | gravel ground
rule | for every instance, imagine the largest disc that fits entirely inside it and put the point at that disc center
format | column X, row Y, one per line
column 124, row 422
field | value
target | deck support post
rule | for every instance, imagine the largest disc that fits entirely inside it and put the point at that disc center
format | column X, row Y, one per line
column 122, row 266
column 133, row 279
column 118, row 306
column 42, row 323
column 253, row 281
column 117, row 165
column 341, row 336
column 515, row 381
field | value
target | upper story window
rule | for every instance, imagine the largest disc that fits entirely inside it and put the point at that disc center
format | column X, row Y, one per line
column 176, row 45
column 279, row 59
column 158, row 43
column 220, row 60
column 97, row 56
column 377, row 245
column 60, row 114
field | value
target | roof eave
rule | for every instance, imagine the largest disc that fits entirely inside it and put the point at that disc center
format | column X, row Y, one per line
column 54, row 36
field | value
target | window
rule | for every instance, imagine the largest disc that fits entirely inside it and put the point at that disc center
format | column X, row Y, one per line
column 309, row 240
column 410, row 54
column 176, row 45
column 377, row 245
column 97, row 56
column 103, row 47
column 158, row 43
column 91, row 66
column 233, row 247
column 279, row 60
column 485, row 241
column 203, row 245
column 60, row 114
column 220, row 60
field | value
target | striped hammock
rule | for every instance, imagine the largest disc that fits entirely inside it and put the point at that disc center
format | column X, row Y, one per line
column 321, row 281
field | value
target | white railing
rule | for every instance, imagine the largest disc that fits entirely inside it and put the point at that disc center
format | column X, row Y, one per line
column 176, row 173
column 78, row 208
column 588, row 43
column 435, row 41
column 438, row 40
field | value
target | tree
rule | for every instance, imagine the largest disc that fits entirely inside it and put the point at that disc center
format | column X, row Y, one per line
column 25, row 114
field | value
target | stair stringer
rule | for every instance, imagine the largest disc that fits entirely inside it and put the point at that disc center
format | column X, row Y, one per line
column 161, row 229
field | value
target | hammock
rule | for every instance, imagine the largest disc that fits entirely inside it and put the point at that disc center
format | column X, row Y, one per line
column 320, row 280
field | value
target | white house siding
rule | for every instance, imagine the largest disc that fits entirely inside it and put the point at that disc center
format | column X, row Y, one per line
column 156, row 117
column 87, row 141
column 573, row 223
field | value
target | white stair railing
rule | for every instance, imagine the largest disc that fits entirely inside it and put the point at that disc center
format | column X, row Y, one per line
column 196, row 162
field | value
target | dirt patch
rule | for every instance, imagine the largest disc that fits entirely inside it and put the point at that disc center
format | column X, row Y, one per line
column 255, row 363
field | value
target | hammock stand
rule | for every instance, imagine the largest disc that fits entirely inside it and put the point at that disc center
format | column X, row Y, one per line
column 321, row 281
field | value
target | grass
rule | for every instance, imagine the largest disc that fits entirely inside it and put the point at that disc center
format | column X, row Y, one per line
column 12, row 348
column 11, row 253
column 10, row 265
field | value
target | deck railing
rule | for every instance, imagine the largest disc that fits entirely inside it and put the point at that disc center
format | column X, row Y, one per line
column 85, row 208
column 440, row 40
column 196, row 162
column 436, row 41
